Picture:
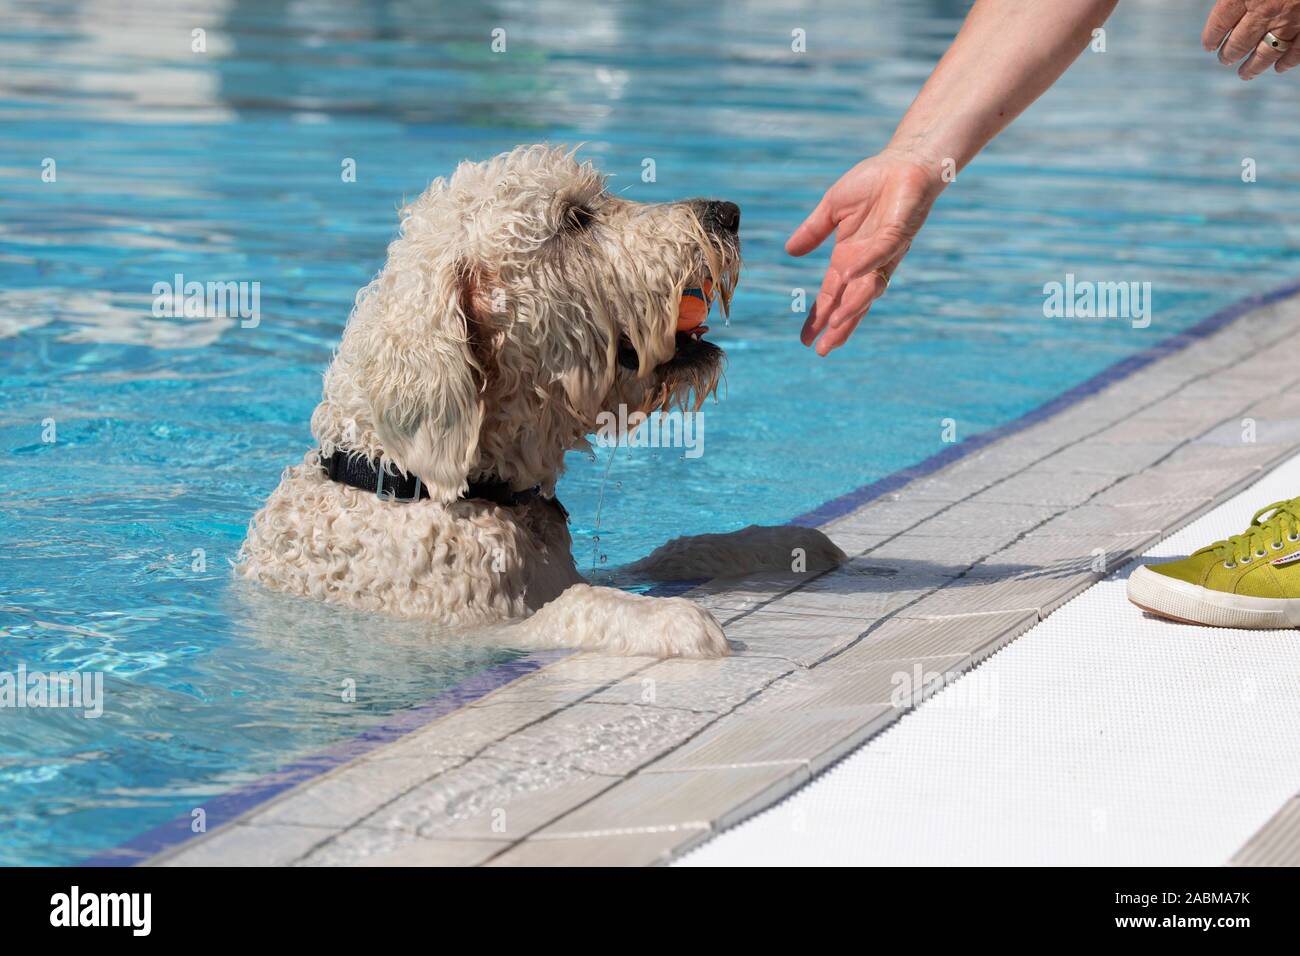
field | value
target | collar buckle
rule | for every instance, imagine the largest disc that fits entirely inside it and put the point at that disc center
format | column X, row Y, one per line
column 393, row 495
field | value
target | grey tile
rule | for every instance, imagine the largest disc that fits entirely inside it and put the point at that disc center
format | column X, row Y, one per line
column 802, row 638
column 909, row 683
column 778, row 735
column 966, row 634
column 1149, row 428
column 948, row 545
column 1251, row 429
column 1169, row 484
column 467, row 731
column 1061, row 555
column 888, row 514
column 612, row 739
column 484, row 800
column 1245, row 339
column 1047, row 487
column 812, row 718
column 352, row 792
column 676, row 801
column 1146, row 520
column 1284, row 406
column 942, row 556
column 1277, row 842
column 975, row 520
column 1010, row 455
column 709, row 685
column 1080, row 421
column 1205, row 456
column 727, row 596
column 1277, row 369
column 851, row 598
column 244, row 845
column 865, row 587
column 974, row 593
column 1222, row 388
column 957, row 482
column 651, row 848
column 1112, row 458
column 855, row 683
column 362, row 847
column 1278, row 430
column 854, row 543
column 568, row 680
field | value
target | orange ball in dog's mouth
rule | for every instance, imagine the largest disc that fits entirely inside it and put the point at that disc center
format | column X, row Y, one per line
column 694, row 308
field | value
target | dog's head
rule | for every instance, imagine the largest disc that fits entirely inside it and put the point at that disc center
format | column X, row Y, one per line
column 520, row 301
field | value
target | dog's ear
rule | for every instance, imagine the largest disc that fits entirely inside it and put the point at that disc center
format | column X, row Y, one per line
column 421, row 375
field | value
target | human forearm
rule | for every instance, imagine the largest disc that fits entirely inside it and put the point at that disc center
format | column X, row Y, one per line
column 1006, row 54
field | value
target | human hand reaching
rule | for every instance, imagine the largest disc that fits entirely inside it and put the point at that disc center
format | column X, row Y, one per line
column 1005, row 55
column 875, row 211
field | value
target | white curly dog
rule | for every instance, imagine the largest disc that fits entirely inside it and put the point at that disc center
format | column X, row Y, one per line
column 519, row 301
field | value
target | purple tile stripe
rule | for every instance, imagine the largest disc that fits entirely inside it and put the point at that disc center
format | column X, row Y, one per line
column 235, row 803
column 239, row 801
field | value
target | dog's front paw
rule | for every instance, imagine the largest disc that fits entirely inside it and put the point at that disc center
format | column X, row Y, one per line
column 616, row 622
column 679, row 628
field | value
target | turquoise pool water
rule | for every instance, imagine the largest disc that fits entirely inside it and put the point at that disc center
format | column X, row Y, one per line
column 225, row 165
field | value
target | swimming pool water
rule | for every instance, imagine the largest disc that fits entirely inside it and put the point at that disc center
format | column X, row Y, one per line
column 225, row 165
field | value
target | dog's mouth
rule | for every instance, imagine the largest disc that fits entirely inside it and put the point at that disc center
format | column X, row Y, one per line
column 693, row 308
column 692, row 311
column 693, row 372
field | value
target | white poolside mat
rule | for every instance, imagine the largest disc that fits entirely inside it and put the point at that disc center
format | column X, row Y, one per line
column 1100, row 737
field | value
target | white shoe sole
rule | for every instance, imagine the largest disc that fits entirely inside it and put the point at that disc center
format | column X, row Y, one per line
column 1193, row 604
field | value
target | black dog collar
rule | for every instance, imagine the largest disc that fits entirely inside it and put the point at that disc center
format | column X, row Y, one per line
column 360, row 472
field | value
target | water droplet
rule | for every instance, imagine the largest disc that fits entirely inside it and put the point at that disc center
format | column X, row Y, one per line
column 604, row 558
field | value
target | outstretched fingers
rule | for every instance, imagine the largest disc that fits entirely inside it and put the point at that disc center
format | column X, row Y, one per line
column 1222, row 19
column 812, row 232
column 1264, row 57
column 1245, row 36
column 838, row 335
column 858, row 275
column 859, row 295
column 824, row 305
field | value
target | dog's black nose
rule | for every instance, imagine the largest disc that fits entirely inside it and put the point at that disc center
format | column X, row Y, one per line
column 722, row 216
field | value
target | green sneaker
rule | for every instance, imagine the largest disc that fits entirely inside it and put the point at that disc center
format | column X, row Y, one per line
column 1250, row 580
